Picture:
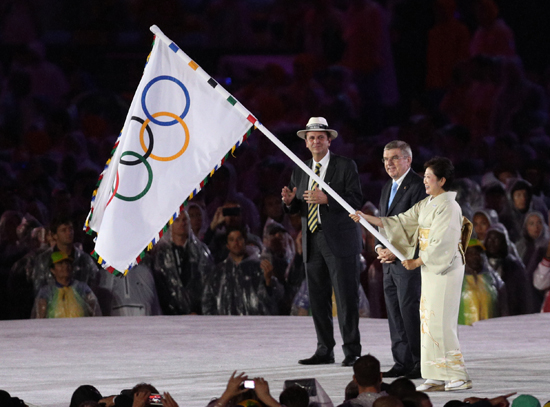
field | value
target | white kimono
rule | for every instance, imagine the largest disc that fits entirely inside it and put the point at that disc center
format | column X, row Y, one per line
column 435, row 224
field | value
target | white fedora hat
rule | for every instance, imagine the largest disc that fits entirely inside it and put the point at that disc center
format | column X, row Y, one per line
column 317, row 124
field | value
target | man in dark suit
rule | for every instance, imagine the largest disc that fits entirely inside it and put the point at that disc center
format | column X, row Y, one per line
column 401, row 286
column 331, row 242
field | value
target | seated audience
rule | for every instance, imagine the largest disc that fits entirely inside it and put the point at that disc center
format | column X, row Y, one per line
column 351, row 391
column 525, row 400
column 272, row 210
column 236, row 394
column 241, row 284
column 510, row 268
column 532, row 248
column 401, row 387
column 6, row 400
column 480, row 294
column 223, row 189
column 85, row 393
column 417, row 399
column 387, row 401
column 287, row 267
column 180, row 263
column 294, row 396
column 535, row 234
column 367, row 375
column 499, row 401
column 84, row 267
column 133, row 295
column 66, row 297
column 541, row 279
column 229, row 216
column 198, row 219
column 483, row 219
column 20, row 288
column 521, row 201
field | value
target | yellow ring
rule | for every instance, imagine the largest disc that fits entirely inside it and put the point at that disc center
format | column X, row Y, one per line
column 173, row 116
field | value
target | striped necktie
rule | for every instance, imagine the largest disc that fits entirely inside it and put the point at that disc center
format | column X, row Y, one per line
column 313, row 209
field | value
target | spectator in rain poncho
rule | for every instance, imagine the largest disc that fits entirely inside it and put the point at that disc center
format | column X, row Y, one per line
column 85, row 269
column 483, row 291
column 180, row 263
column 21, row 292
column 66, row 297
column 224, row 189
column 534, row 236
column 510, row 268
column 132, row 295
column 483, row 219
column 198, row 219
column 532, row 248
column 229, row 216
column 289, row 269
column 241, row 284
column 521, row 200
column 468, row 195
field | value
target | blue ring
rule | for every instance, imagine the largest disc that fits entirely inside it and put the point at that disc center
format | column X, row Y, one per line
column 151, row 83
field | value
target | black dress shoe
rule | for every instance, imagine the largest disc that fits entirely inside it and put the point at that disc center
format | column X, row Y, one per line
column 414, row 374
column 349, row 360
column 317, row 360
column 394, row 372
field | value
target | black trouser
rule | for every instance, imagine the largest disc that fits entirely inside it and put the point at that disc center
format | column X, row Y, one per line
column 402, row 293
column 324, row 271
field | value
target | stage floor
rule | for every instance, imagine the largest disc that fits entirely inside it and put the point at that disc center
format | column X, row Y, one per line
column 44, row 361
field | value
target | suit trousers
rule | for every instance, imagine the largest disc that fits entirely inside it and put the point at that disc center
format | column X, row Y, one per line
column 402, row 294
column 325, row 271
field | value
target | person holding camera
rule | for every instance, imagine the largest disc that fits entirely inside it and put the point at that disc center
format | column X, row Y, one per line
column 241, row 390
column 227, row 216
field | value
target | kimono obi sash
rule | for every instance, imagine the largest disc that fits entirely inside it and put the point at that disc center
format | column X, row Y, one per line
column 423, row 235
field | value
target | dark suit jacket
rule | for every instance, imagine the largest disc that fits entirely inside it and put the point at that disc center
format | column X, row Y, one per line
column 343, row 235
column 409, row 193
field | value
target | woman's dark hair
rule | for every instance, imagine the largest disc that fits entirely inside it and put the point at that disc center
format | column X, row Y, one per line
column 442, row 167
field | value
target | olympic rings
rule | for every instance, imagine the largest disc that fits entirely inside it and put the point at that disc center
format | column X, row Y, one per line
column 149, row 178
column 148, row 149
column 144, row 94
column 145, row 125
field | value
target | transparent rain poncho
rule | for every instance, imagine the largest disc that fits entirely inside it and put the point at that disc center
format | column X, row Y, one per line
column 73, row 301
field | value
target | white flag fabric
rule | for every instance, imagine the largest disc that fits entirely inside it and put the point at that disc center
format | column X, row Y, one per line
column 179, row 129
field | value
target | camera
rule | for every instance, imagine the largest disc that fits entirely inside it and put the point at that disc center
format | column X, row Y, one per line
column 248, row 384
column 155, row 399
column 233, row 211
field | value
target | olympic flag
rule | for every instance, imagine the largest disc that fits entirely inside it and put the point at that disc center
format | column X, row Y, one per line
column 180, row 127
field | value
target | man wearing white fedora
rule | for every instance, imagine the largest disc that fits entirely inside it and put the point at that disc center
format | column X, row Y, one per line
column 331, row 242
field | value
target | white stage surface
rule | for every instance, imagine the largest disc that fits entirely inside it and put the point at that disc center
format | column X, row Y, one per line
column 44, row 361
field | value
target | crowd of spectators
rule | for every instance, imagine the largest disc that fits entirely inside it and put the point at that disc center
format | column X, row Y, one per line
column 366, row 389
column 452, row 78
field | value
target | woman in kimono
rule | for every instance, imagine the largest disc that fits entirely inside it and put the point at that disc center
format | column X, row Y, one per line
column 435, row 226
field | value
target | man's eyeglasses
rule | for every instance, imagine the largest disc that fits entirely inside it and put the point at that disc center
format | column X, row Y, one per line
column 394, row 158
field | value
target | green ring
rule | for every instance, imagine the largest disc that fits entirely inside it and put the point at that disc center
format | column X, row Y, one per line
column 149, row 181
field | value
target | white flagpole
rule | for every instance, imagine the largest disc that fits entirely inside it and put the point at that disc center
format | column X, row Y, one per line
column 325, row 187
column 155, row 30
